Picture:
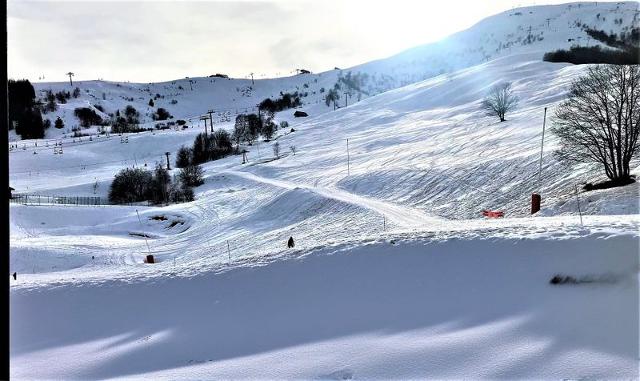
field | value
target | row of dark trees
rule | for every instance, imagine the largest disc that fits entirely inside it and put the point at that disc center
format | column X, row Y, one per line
column 24, row 113
column 137, row 184
column 286, row 101
column 87, row 116
column 127, row 121
column 249, row 127
column 626, row 49
column 206, row 147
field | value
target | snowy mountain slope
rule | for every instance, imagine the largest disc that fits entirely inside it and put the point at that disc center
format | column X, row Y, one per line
column 416, row 153
column 537, row 30
column 534, row 29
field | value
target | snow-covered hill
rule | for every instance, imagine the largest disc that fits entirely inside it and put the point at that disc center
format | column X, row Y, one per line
column 395, row 274
column 476, row 307
column 536, row 30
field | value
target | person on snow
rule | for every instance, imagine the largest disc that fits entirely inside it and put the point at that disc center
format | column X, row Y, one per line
column 290, row 243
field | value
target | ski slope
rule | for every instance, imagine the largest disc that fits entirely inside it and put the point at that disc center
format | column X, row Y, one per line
column 395, row 274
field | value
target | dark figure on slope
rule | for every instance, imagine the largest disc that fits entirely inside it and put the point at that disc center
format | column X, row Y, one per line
column 290, row 243
column 15, row 276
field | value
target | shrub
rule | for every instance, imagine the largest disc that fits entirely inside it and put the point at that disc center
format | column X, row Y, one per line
column 132, row 115
column 161, row 114
column 62, row 96
column 159, row 187
column 183, row 157
column 180, row 192
column 21, row 100
column 30, row 125
column 51, row 105
column 247, row 128
column 222, row 139
column 284, row 124
column 58, row 123
column 119, row 125
column 181, row 122
column 268, row 129
column 210, row 147
column 47, row 123
column 130, row 185
column 151, row 104
column 76, row 92
column 191, row 175
column 286, row 101
column 87, row 116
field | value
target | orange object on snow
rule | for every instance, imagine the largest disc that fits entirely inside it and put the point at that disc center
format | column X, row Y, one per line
column 493, row 213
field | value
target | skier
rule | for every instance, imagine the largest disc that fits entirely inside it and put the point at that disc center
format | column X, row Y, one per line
column 290, row 244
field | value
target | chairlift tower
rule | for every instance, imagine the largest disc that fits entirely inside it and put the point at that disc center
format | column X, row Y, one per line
column 210, row 112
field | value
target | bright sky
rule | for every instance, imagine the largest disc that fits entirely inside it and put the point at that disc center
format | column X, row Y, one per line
column 149, row 41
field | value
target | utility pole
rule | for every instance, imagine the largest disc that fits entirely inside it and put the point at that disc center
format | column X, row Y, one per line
column 348, row 159
column 70, row 74
column 578, row 200
column 204, row 118
column 210, row 112
column 168, row 166
column 251, row 78
column 544, row 122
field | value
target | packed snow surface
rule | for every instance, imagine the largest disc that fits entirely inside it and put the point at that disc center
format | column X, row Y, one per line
column 436, row 306
column 394, row 273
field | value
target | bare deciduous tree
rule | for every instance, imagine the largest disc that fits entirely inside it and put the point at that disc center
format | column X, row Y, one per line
column 500, row 100
column 599, row 122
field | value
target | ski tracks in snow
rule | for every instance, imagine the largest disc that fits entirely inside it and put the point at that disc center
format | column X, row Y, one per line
column 402, row 216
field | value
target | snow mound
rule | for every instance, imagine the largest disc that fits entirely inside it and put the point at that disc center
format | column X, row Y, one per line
column 455, row 308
